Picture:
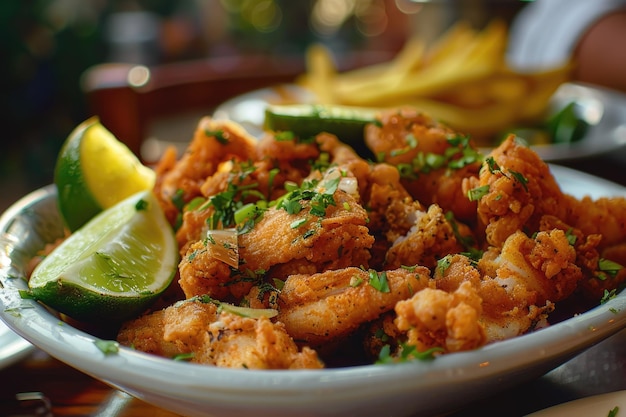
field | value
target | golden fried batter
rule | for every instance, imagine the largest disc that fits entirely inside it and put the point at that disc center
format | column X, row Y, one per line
column 209, row 336
column 434, row 318
column 346, row 249
column 320, row 308
column 430, row 239
column 433, row 163
column 520, row 190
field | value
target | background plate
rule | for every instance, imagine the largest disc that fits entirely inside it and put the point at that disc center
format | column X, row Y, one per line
column 594, row 406
column 603, row 109
column 12, row 347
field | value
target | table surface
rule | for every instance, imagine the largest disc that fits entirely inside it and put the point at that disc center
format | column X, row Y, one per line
column 600, row 369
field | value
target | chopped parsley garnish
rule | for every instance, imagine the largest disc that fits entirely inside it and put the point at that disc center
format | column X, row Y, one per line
column 571, row 237
column 297, row 223
column 443, row 264
column 407, row 353
column 520, row 178
column 184, row 356
column 178, row 199
column 230, row 308
column 320, row 196
column 457, row 156
column 284, row 136
column 141, row 205
column 322, row 163
column 467, row 241
column 355, row 281
column 494, row 168
column 477, row 193
column 378, row 280
column 608, row 295
column 607, row 269
column 218, row 135
column 492, row 165
column 229, row 207
column 108, row 347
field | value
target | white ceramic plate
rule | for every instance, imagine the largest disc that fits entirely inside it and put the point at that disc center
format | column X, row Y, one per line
column 412, row 389
column 603, row 109
column 12, row 347
column 594, row 406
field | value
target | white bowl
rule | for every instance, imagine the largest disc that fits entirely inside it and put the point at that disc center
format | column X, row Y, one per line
column 418, row 388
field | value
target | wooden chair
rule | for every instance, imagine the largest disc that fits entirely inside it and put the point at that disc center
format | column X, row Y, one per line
column 131, row 99
column 128, row 98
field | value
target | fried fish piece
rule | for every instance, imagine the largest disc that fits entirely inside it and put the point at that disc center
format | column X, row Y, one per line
column 205, row 334
column 322, row 308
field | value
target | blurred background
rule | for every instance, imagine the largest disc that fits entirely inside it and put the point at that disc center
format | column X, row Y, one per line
column 47, row 45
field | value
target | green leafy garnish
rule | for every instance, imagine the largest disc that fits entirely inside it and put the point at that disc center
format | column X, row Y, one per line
column 443, row 264
column 608, row 295
column 457, row 156
column 520, row 178
column 184, row 356
column 218, row 135
column 407, row 353
column 141, row 205
column 320, row 196
column 607, row 268
column 248, row 312
column 477, row 193
column 378, row 280
column 492, row 165
column 566, row 126
column 108, row 347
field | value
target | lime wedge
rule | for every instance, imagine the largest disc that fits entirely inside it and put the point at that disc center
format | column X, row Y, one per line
column 306, row 120
column 94, row 171
column 113, row 267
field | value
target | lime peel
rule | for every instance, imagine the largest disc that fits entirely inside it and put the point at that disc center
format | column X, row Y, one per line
column 112, row 268
column 94, row 171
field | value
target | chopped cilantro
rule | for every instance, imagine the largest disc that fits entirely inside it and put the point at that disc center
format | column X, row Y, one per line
column 355, row 281
column 571, row 237
column 381, row 335
column 520, row 178
column 608, row 295
column 108, row 347
column 443, row 264
column 218, row 135
column 284, row 136
column 229, row 209
column 477, row 193
column 297, row 223
column 406, row 354
column 378, row 280
column 607, row 269
column 141, row 205
column 468, row 242
column 184, row 356
column 320, row 196
column 457, row 156
column 178, row 199
column 492, row 165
